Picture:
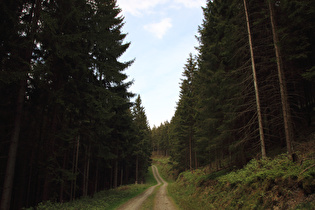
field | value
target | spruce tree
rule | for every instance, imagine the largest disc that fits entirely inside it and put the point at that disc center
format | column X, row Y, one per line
column 142, row 144
column 184, row 143
column 24, row 16
column 76, row 122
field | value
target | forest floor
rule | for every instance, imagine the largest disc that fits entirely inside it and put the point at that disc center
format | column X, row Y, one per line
column 107, row 199
column 271, row 183
column 161, row 201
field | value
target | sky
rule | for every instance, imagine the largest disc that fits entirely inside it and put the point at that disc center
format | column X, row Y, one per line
column 162, row 34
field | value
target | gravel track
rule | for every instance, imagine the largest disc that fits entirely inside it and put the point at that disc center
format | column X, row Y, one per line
column 162, row 201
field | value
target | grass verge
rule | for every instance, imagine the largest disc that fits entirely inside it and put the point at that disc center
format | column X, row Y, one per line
column 107, row 199
column 262, row 184
column 164, row 165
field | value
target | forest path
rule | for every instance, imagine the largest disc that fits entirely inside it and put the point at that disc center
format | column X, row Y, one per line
column 162, row 201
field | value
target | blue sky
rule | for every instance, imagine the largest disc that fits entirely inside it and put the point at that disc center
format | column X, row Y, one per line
column 162, row 34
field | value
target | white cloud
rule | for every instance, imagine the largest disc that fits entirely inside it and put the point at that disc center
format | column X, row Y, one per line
column 136, row 7
column 159, row 29
column 191, row 3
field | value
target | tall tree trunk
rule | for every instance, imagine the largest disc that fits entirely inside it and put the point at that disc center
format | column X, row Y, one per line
column 84, row 193
column 121, row 175
column 96, row 178
column 86, row 184
column 9, row 174
column 282, row 82
column 62, row 181
column 261, row 130
column 196, row 160
column 137, row 168
column 74, row 184
column 14, row 141
column 116, row 173
column 190, row 153
column 73, row 167
column 50, row 152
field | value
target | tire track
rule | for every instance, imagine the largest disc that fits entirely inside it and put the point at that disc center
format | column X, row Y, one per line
column 162, row 202
column 136, row 202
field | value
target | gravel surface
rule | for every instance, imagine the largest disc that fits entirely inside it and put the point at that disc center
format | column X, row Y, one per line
column 162, row 201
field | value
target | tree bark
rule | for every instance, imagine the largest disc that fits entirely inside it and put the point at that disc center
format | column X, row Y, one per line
column 190, row 153
column 261, row 130
column 282, row 82
column 50, row 152
column 9, row 174
column 14, row 141
column 196, row 160
column 86, row 171
column 63, row 181
column 116, row 173
column 137, row 168
column 75, row 169
column 121, row 175
column 96, row 178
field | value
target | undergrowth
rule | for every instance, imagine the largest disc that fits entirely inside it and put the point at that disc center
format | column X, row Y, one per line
column 270, row 169
column 275, row 183
column 107, row 199
column 165, row 169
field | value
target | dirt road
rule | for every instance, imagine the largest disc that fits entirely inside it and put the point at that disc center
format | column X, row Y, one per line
column 162, row 201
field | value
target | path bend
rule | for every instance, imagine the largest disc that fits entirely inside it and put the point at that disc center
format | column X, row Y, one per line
column 161, row 202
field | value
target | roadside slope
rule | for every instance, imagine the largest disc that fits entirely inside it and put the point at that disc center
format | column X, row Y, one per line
column 268, row 183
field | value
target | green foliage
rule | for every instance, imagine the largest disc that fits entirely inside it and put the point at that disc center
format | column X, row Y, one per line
column 165, row 168
column 215, row 122
column 182, row 130
column 149, row 178
column 78, row 133
column 161, row 139
column 261, row 184
column 108, row 199
column 269, row 169
column 310, row 74
column 142, row 139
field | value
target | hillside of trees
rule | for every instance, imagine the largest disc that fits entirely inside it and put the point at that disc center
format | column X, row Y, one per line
column 68, row 127
column 249, row 93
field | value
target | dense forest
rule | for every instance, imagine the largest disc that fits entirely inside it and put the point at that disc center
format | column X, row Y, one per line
column 68, row 127
column 249, row 93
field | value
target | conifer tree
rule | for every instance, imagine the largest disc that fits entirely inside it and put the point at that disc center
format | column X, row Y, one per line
column 142, row 151
column 76, row 124
column 296, row 38
column 24, row 17
column 219, row 81
column 258, row 104
column 185, row 114
column 160, row 139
